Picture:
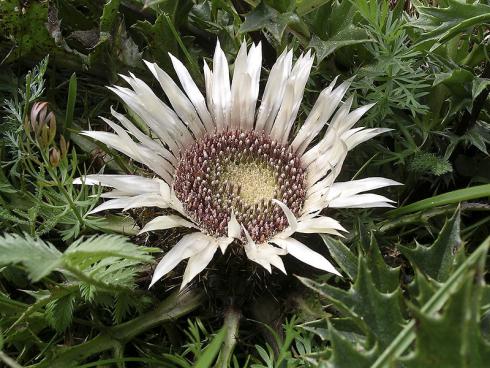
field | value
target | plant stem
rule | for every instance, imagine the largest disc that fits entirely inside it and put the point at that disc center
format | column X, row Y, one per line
column 454, row 197
column 423, row 217
column 8, row 360
column 232, row 320
column 170, row 309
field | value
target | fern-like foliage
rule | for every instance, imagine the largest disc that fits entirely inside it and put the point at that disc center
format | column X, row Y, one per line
column 99, row 269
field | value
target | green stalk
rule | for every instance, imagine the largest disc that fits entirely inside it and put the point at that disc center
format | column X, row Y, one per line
column 455, row 196
column 173, row 307
column 9, row 362
column 70, row 104
column 438, row 300
column 232, row 320
column 424, row 216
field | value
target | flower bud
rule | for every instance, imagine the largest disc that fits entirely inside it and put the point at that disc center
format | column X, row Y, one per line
column 64, row 146
column 43, row 123
column 54, row 157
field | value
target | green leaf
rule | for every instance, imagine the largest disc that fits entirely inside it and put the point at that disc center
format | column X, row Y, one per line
column 38, row 257
column 378, row 312
column 209, row 355
column 342, row 255
column 442, row 24
column 109, row 16
column 479, row 85
column 452, row 339
column 459, row 82
column 105, row 262
column 403, row 340
column 456, row 196
column 158, row 39
column 341, row 30
column 95, row 248
column 347, row 355
column 59, row 312
column 437, row 260
column 422, row 287
column 385, row 278
column 70, row 103
column 307, row 6
column 271, row 20
column 25, row 28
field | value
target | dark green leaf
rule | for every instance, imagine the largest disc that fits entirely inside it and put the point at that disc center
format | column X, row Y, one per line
column 347, row 355
column 437, row 260
column 441, row 24
column 268, row 18
column 342, row 255
column 452, row 339
column 341, row 30
column 70, row 103
column 379, row 312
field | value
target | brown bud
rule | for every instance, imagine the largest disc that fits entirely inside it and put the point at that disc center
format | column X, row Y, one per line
column 43, row 123
column 64, row 146
column 54, row 157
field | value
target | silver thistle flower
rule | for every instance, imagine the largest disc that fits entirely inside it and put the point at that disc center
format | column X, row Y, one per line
column 234, row 173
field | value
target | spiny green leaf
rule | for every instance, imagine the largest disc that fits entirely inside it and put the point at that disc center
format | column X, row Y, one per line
column 379, row 312
column 437, row 260
column 385, row 278
column 452, row 339
column 442, row 24
column 422, row 287
column 341, row 30
column 274, row 22
column 404, row 339
column 347, row 355
column 342, row 255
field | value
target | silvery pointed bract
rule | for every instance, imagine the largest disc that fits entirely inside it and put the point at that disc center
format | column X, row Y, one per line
column 232, row 171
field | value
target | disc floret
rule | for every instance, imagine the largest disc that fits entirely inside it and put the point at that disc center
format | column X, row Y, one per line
column 240, row 172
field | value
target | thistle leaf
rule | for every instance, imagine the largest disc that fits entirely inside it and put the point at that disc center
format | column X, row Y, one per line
column 342, row 255
column 347, row 355
column 385, row 278
column 437, row 260
column 378, row 313
column 452, row 339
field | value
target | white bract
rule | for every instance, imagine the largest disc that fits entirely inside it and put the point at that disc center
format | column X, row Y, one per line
column 232, row 172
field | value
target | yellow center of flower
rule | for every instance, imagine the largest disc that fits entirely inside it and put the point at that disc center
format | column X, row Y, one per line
column 256, row 180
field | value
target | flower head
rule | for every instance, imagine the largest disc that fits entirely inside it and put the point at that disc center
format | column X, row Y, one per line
column 233, row 172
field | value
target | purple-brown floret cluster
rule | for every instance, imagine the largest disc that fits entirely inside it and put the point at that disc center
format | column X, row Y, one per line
column 209, row 198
